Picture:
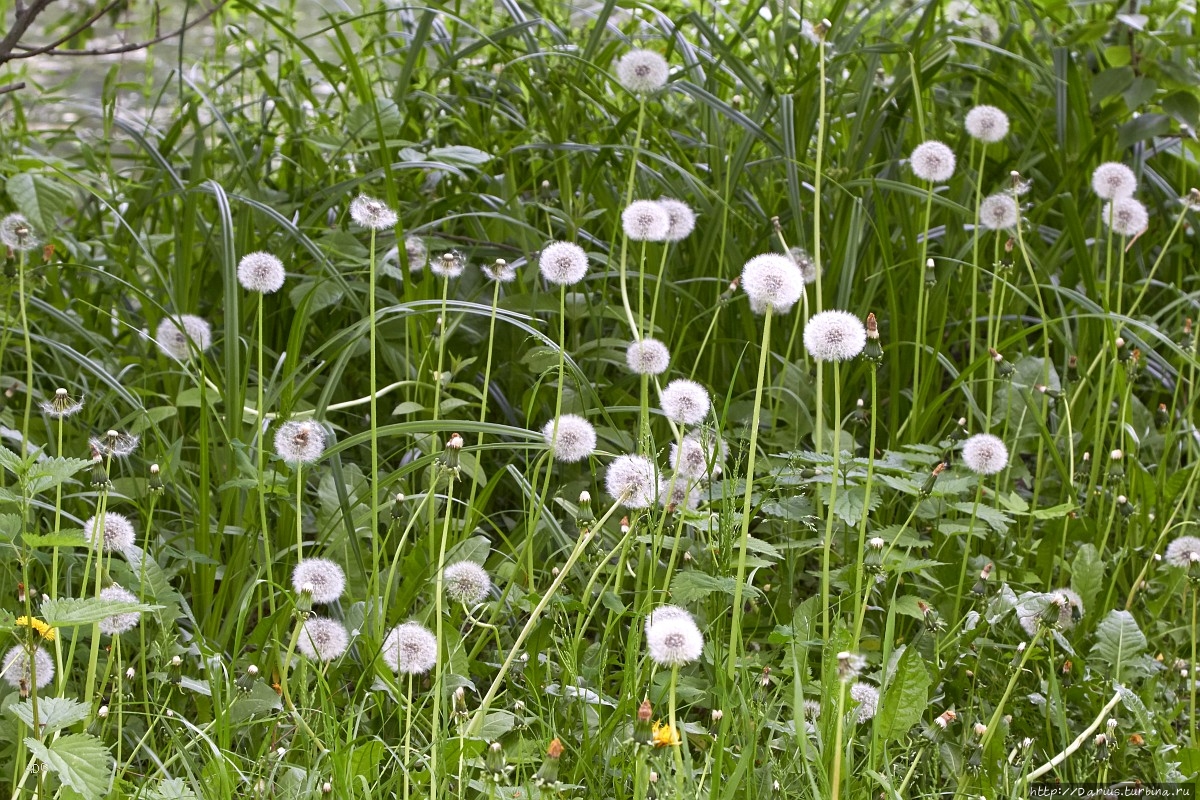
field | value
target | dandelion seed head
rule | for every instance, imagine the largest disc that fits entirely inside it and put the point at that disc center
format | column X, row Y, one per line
column 115, row 444
column 501, row 271
column 834, row 336
column 300, row 441
column 998, row 212
column 647, row 356
column 573, row 440
column 685, row 402
column 323, row 639
column 563, row 263
column 812, row 710
column 17, row 234
column 410, row 649
column 808, row 267
column 699, row 456
column 987, row 124
column 632, row 481
column 642, row 71
column 1113, row 180
column 645, row 221
column 450, row 264
column 467, row 583
column 1125, row 216
column 118, row 534
column 772, row 281
column 61, row 405
column 371, row 213
column 321, row 577
column 678, row 492
column 932, row 161
column 416, row 252
column 984, row 454
column 177, row 337
column 681, row 220
column 673, row 639
column 16, row 668
column 1183, row 552
column 867, row 697
column 119, row 623
column 260, row 272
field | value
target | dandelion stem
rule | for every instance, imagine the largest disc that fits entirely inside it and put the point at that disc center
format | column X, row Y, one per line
column 260, row 465
column 373, row 483
column 994, row 722
column 23, row 302
column 1192, row 672
column 827, row 545
column 836, row 781
column 862, row 522
column 677, row 749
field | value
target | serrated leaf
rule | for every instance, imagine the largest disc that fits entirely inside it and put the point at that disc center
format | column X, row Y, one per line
column 71, row 538
column 1119, row 645
column 994, row 518
column 905, row 698
column 11, row 461
column 79, row 760
column 40, row 199
column 170, row 789
column 460, row 156
column 54, row 713
column 50, row 472
column 851, row 501
column 73, row 611
column 1087, row 574
column 688, row 587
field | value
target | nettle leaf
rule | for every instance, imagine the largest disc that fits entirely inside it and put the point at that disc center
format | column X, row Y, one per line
column 688, row 587
column 1087, row 574
column 54, row 713
column 851, row 501
column 171, row 789
column 995, row 519
column 905, row 698
column 11, row 461
column 50, row 472
column 81, row 762
column 72, row 612
column 1119, row 647
column 40, row 199
column 72, row 537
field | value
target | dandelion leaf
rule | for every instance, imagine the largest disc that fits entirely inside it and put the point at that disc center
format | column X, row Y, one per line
column 905, row 698
column 79, row 760
column 1120, row 647
column 1087, row 574
column 260, row 701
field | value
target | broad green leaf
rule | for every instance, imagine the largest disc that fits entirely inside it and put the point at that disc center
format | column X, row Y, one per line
column 54, row 713
column 11, row 461
column 81, row 762
column 260, row 701
column 688, row 587
column 71, row 612
column 40, row 199
column 1087, row 574
column 995, row 519
column 50, row 472
column 170, row 789
column 906, row 696
column 69, row 538
column 851, row 501
column 1119, row 647
column 496, row 724
column 460, row 156
column 360, row 122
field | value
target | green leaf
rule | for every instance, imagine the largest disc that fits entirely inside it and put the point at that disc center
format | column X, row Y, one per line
column 994, row 518
column 54, row 713
column 39, row 199
column 81, row 762
column 71, row 612
column 260, row 701
column 460, row 156
column 1119, row 647
column 171, row 789
column 688, row 587
column 851, row 501
column 11, row 461
column 50, row 472
column 906, row 697
column 1087, row 574
column 68, row 538
column 496, row 724
column 360, row 122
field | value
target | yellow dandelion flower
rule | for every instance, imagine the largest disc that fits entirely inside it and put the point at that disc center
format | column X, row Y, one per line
column 43, row 630
column 665, row 735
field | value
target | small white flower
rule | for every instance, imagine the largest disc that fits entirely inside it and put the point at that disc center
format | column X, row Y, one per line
column 987, row 124
column 260, row 272
column 177, row 338
column 1125, row 216
column 632, row 481
column 300, row 441
column 867, row 697
column 323, row 639
column 118, row 532
column 699, row 456
column 17, row 234
column 119, row 623
column 834, row 336
column 573, row 440
column 685, row 401
column 680, row 217
column 985, row 454
column 932, row 161
column 998, row 212
column 320, row 577
column 647, row 357
column 410, row 649
column 371, row 213
column 772, row 281
column 563, row 263
column 642, row 71
column 645, row 221
column 674, row 641
column 1183, row 552
column 466, row 582
column 1113, row 180
column 17, row 672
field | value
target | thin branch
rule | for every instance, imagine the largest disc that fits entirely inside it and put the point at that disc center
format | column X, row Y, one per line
column 1075, row 745
column 28, row 51
column 24, row 18
column 12, row 87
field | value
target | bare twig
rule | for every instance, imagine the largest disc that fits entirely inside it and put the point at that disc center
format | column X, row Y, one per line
column 12, row 87
column 1075, row 745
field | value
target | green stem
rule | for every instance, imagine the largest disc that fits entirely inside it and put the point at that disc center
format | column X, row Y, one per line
column 827, row 545
column 373, row 483
column 436, row 724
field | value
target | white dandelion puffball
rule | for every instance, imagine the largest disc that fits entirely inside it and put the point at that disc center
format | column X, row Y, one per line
column 300, row 441
column 772, row 281
column 808, row 267
column 867, row 697
column 984, row 454
column 17, row 234
column 177, row 338
column 119, row 623
column 834, row 336
column 1070, row 605
column 371, row 213
column 642, row 71
column 574, row 438
column 417, row 253
column 563, row 263
column 1125, row 216
column 410, row 649
column 645, row 221
column 260, row 272
column 685, row 401
column 632, row 481
column 448, row 265
column 676, row 492
column 699, row 456
column 998, row 212
column 932, row 161
column 320, row 576
column 681, row 220
column 118, row 532
column 647, row 357
column 674, row 641
column 987, row 124
column 17, row 672
column 323, row 639
column 1113, row 180
column 1183, row 552
column 466, row 582
column 664, row 613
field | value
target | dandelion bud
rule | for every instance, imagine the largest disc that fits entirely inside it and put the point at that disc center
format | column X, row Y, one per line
column 873, row 349
column 1026, row 743
column 1101, row 743
column 927, row 487
column 980, row 586
column 624, row 525
column 99, row 474
column 653, row 776
column 547, row 775
column 130, row 674
column 102, row 712
column 736, row 101
column 326, row 787
column 1161, row 416
column 246, row 682
column 1053, row 394
column 945, row 718
column 398, row 507
column 584, row 517
column 717, row 715
column 980, row 729
column 687, row 556
column 545, row 186
column 930, row 273
column 1122, row 350
column 1004, row 368
column 1073, row 368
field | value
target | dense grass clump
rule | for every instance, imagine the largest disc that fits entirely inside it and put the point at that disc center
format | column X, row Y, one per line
column 639, row 400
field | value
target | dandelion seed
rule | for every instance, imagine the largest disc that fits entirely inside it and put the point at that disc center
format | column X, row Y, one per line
column 1125, row 216
column 834, row 336
column 410, row 649
column 665, row 613
column 177, row 338
column 998, row 212
column 642, row 71
column 699, row 456
column 645, row 221
column 932, row 161
column 849, row 665
column 260, row 272
column 300, row 441
column 809, row 32
column 114, row 444
column 674, row 640
column 574, row 440
column 118, row 533
column 467, row 583
column 500, row 271
column 416, row 252
column 984, row 454
column 685, row 402
column 772, row 281
column 563, row 263
column 320, row 577
column 867, row 697
column 681, row 220
column 678, row 493
column 451, row 264
column 16, row 668
column 1183, row 552
column 17, row 234
column 1113, row 180
column 323, row 639
column 632, row 481
column 812, row 710
column 987, row 124
column 808, row 267
column 371, row 213
column 61, row 406
column 647, row 356
column 119, row 623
